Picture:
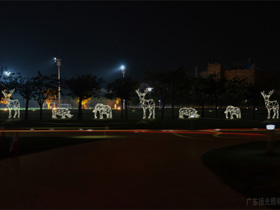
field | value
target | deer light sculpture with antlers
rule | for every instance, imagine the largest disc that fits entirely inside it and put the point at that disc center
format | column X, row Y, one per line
column 271, row 105
column 146, row 104
column 12, row 104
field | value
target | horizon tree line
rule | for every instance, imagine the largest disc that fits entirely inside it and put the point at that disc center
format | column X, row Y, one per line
column 171, row 87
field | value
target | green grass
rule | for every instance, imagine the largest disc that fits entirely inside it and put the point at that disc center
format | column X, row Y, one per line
column 135, row 121
column 29, row 145
column 247, row 168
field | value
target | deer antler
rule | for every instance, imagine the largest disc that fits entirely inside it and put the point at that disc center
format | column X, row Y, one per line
column 271, row 92
column 4, row 93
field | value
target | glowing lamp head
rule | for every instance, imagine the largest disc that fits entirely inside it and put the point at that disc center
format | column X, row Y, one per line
column 7, row 73
column 270, row 127
column 54, row 59
column 122, row 67
column 150, row 89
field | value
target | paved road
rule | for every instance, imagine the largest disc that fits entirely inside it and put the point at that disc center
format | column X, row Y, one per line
column 136, row 170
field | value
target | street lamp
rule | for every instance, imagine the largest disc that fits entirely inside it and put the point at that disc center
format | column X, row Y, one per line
column 123, row 73
column 7, row 73
column 123, row 70
column 149, row 90
column 58, row 63
column 270, row 132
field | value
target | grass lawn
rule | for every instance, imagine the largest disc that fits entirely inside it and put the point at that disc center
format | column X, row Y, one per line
column 247, row 169
column 29, row 145
column 135, row 121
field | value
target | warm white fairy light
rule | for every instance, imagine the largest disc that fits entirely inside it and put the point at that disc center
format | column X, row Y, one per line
column 271, row 105
column 103, row 110
column 12, row 104
column 146, row 104
column 233, row 111
column 188, row 112
column 62, row 112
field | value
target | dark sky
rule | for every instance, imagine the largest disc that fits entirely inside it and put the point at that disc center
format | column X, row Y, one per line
column 97, row 37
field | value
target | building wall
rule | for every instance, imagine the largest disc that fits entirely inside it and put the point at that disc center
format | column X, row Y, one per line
column 248, row 74
column 216, row 68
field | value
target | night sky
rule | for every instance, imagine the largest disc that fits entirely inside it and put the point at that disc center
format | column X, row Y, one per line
column 98, row 37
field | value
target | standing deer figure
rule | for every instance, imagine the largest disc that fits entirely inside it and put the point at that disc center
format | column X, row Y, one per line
column 12, row 104
column 271, row 105
column 146, row 104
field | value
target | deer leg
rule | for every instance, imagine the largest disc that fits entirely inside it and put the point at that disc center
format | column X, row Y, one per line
column 15, row 115
column 180, row 115
column 95, row 115
column 10, row 112
column 19, row 112
column 274, row 113
column 144, row 113
column 154, row 112
column 150, row 112
column 101, row 115
column 277, row 113
column 268, row 113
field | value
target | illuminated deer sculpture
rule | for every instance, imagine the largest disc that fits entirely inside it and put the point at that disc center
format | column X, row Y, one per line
column 103, row 110
column 146, row 104
column 271, row 105
column 12, row 104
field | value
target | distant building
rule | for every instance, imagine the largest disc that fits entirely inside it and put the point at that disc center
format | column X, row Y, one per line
column 239, row 71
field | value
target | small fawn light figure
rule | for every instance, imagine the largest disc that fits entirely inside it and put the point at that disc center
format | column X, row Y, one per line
column 271, row 105
column 12, row 104
column 103, row 110
column 232, row 111
column 146, row 104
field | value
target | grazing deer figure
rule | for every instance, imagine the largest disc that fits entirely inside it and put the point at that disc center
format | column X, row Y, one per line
column 271, row 105
column 12, row 104
column 103, row 110
column 233, row 111
column 188, row 112
column 146, row 104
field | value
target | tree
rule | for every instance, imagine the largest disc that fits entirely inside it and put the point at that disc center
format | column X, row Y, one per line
column 169, row 86
column 51, row 95
column 177, row 86
column 157, row 80
column 263, row 82
column 216, row 88
column 124, row 89
column 42, row 83
column 26, row 89
column 84, row 87
column 235, row 91
column 200, row 88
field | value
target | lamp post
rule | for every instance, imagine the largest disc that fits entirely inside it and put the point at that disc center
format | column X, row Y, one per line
column 270, row 132
column 149, row 90
column 123, row 70
column 7, row 73
column 58, row 63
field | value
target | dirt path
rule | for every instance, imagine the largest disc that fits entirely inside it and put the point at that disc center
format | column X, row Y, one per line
column 138, row 171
